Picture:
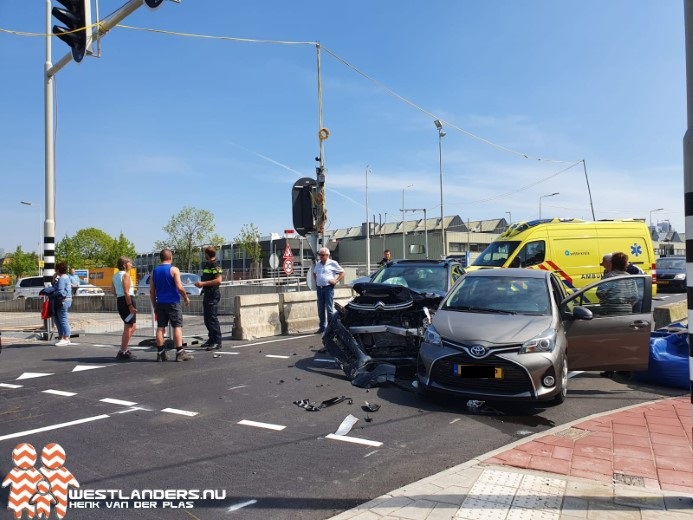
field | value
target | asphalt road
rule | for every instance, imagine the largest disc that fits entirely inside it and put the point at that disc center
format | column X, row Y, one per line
column 229, row 423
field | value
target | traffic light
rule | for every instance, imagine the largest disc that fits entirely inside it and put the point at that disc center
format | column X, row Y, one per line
column 303, row 205
column 153, row 3
column 76, row 17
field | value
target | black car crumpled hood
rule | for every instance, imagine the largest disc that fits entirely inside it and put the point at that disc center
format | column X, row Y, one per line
column 389, row 294
column 493, row 328
column 379, row 329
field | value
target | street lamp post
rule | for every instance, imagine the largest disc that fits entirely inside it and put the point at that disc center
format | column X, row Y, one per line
column 441, row 134
column 368, row 229
column 543, row 197
column 654, row 211
column 404, row 239
column 40, row 236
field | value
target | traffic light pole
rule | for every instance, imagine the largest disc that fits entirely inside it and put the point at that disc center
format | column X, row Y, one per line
column 50, row 71
column 316, row 239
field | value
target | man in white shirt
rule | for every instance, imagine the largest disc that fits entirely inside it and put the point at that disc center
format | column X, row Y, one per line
column 327, row 274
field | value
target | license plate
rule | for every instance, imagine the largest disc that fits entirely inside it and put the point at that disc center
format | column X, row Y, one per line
column 662, row 282
column 477, row 371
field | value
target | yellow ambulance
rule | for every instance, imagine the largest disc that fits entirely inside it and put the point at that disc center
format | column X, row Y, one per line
column 572, row 248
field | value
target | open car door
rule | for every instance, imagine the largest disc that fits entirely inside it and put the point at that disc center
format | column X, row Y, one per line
column 617, row 337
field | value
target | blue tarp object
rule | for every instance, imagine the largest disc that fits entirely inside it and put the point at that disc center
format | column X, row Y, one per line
column 669, row 358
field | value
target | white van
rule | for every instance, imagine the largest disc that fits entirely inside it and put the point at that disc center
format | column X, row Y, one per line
column 28, row 287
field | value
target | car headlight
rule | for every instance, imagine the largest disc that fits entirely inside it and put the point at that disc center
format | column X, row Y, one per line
column 431, row 336
column 544, row 342
column 680, row 276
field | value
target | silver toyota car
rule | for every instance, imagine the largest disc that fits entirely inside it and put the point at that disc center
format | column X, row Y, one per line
column 513, row 334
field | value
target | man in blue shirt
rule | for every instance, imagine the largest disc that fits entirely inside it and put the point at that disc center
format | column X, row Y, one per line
column 165, row 292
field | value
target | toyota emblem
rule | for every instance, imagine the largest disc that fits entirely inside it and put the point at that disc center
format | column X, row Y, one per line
column 477, row 351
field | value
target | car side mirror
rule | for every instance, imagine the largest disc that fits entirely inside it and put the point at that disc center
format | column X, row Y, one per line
column 582, row 313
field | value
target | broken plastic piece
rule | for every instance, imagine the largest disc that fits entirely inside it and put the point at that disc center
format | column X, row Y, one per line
column 346, row 425
column 474, row 404
column 334, row 400
column 370, row 407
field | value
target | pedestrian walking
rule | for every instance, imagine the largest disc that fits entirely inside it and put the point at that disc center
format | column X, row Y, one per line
column 165, row 293
column 62, row 301
column 124, row 290
column 209, row 283
column 327, row 274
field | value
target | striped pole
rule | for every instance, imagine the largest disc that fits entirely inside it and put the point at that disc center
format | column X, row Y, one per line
column 688, row 176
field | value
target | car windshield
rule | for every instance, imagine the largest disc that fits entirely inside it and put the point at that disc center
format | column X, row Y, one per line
column 189, row 278
column 504, row 294
column 430, row 278
column 672, row 263
column 496, row 254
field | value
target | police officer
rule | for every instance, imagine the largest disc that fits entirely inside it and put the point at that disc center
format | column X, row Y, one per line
column 211, row 279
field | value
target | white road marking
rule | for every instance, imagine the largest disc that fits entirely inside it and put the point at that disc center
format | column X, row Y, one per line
column 355, row 440
column 31, row 375
column 117, row 401
column 276, row 356
column 134, row 409
column 454, row 420
column 226, row 353
column 82, row 368
column 53, row 427
column 237, row 387
column 268, row 426
column 179, row 412
column 8, row 385
column 324, row 360
column 370, row 453
column 60, row 392
column 272, row 341
column 240, row 505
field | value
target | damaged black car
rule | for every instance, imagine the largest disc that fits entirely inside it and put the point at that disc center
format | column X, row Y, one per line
column 378, row 333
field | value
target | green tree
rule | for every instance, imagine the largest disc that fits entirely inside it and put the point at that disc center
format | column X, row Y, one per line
column 121, row 247
column 248, row 240
column 91, row 248
column 187, row 231
column 22, row 263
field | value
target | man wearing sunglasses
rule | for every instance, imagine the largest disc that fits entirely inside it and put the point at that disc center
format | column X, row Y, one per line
column 327, row 274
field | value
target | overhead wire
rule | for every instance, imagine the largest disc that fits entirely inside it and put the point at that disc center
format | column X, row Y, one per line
column 336, row 57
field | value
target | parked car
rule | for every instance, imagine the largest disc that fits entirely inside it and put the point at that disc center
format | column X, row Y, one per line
column 188, row 280
column 28, row 287
column 512, row 334
column 382, row 327
column 88, row 290
column 671, row 273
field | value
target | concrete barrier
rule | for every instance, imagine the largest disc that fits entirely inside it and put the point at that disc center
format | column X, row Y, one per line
column 299, row 312
column 669, row 313
column 257, row 316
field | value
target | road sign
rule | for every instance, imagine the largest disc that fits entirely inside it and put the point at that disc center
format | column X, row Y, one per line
column 288, row 253
column 274, row 261
column 289, row 266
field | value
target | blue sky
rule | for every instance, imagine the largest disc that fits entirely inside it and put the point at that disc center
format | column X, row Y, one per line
column 162, row 121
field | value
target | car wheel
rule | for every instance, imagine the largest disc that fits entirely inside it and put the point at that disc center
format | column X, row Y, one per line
column 563, row 382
